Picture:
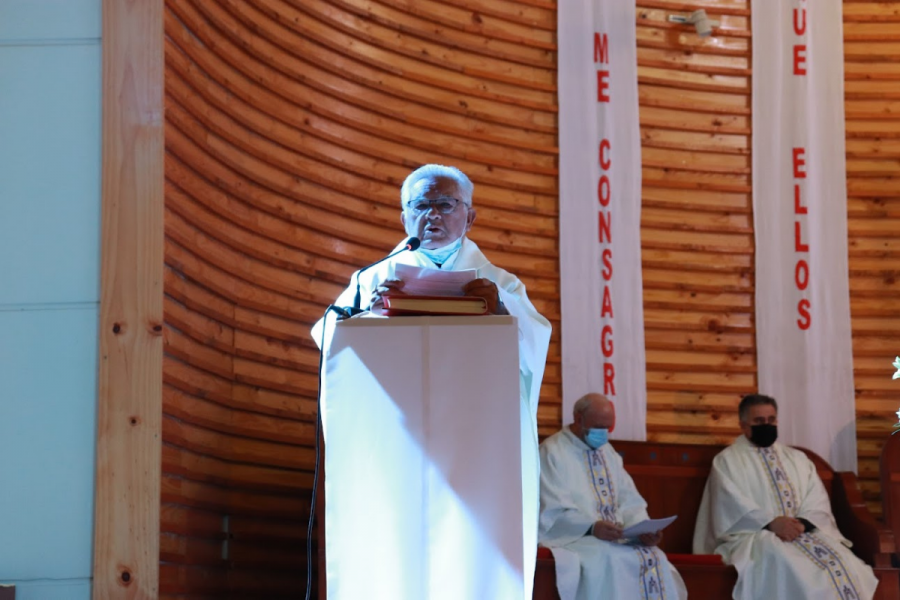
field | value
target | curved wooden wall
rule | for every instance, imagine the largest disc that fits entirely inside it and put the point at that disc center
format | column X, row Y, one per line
column 872, row 112
column 292, row 123
column 697, row 222
column 290, row 126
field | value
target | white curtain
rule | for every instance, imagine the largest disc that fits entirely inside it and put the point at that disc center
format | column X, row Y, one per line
column 600, row 205
column 803, row 331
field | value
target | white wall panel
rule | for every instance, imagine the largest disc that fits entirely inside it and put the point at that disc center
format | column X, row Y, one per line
column 50, row 69
column 29, row 20
column 48, row 401
column 49, row 173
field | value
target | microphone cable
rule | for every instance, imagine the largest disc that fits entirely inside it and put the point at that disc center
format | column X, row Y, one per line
column 312, row 503
column 412, row 244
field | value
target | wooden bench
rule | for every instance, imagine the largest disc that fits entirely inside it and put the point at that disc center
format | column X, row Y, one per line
column 671, row 478
column 890, row 487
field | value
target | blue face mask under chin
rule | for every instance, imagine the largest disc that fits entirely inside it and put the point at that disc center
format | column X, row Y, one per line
column 596, row 437
column 440, row 255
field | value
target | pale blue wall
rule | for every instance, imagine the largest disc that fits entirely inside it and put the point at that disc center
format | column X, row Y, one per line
column 50, row 92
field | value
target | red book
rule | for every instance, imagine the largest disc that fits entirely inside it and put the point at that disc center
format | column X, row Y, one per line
column 401, row 305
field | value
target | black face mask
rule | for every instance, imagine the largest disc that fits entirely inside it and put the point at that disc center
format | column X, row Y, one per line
column 763, row 435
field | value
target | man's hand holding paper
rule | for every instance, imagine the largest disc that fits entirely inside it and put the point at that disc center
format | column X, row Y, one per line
column 650, row 526
column 485, row 288
column 416, row 281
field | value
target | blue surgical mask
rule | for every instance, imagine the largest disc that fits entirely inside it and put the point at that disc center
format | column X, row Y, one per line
column 596, row 437
column 440, row 255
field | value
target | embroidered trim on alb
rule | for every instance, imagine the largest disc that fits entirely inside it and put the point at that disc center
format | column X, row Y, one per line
column 814, row 548
column 651, row 580
column 827, row 559
column 781, row 484
column 602, row 483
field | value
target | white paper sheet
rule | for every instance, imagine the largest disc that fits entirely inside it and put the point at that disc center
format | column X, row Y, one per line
column 648, row 526
column 433, row 282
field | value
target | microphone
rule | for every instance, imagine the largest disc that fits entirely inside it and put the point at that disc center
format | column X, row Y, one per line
column 412, row 244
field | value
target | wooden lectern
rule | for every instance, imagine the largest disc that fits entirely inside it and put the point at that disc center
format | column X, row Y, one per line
column 423, row 466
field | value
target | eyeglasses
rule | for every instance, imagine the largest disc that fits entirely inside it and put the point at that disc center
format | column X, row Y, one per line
column 445, row 206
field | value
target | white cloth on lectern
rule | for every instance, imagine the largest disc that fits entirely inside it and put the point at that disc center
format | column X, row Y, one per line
column 577, row 486
column 534, row 340
column 749, row 487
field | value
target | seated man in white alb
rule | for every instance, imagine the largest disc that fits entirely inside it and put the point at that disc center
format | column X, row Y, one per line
column 766, row 511
column 587, row 499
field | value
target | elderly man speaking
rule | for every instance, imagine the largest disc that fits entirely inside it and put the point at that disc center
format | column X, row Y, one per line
column 587, row 498
column 437, row 208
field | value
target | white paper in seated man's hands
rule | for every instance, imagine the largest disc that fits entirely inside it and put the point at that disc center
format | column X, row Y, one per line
column 648, row 526
column 432, row 282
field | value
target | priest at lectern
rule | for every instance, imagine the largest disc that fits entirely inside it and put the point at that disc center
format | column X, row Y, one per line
column 437, row 209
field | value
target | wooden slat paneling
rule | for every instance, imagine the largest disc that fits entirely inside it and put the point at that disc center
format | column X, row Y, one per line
column 697, row 221
column 290, row 125
column 873, row 134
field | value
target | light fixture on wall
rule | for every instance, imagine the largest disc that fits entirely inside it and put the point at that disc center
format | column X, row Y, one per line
column 699, row 19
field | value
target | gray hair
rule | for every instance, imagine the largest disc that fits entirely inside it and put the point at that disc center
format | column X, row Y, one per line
column 582, row 405
column 754, row 400
column 437, row 171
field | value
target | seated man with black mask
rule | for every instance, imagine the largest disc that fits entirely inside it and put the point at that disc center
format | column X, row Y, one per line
column 766, row 511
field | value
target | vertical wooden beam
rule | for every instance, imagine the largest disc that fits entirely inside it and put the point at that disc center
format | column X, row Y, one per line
column 126, row 514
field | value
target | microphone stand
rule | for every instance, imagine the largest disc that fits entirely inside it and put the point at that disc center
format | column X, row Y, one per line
column 412, row 244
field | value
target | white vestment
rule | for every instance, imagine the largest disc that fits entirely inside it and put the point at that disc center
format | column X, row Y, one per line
column 534, row 340
column 578, row 487
column 747, row 488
